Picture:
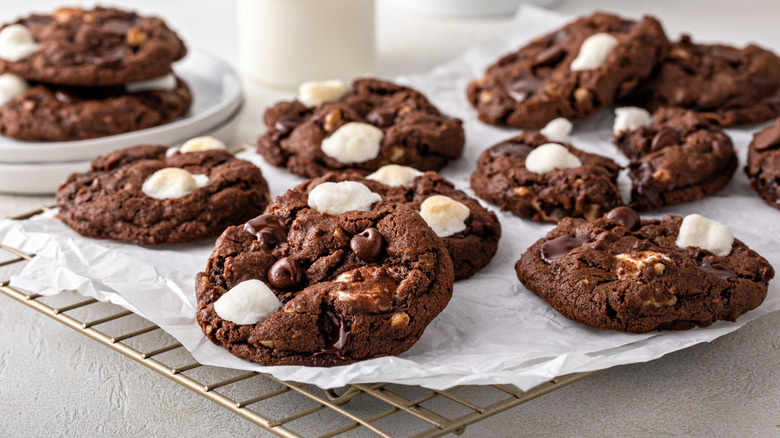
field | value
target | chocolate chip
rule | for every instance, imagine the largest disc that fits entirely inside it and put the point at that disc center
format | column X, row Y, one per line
column 66, row 96
column 116, row 27
column 560, row 246
column 268, row 228
column 286, row 274
column 380, row 118
column 549, row 56
column 105, row 56
column 719, row 270
column 665, row 137
column 508, row 149
column 727, row 54
column 287, row 123
column 769, row 138
column 523, row 88
column 625, row 216
column 333, row 333
column 368, row 245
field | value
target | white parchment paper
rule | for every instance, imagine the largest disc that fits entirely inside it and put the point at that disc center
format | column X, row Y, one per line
column 493, row 331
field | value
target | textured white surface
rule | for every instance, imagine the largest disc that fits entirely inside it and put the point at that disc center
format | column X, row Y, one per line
column 55, row 381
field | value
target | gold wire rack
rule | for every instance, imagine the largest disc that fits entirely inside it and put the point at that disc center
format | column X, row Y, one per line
column 364, row 409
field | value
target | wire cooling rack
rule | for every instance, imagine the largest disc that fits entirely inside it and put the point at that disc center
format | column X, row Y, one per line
column 360, row 409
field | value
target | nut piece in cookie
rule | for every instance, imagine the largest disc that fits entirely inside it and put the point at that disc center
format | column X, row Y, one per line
column 677, row 156
column 141, row 195
column 372, row 124
column 622, row 273
column 570, row 73
column 726, row 85
column 544, row 181
column 763, row 163
column 354, row 285
column 470, row 232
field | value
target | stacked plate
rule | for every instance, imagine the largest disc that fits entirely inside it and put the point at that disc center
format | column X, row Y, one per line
column 38, row 167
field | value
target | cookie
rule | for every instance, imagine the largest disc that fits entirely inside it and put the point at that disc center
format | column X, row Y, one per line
column 571, row 73
column 677, row 156
column 372, row 124
column 471, row 242
column 89, row 48
column 727, row 85
column 297, row 286
column 623, row 273
column 763, row 163
column 55, row 113
column 140, row 195
column 562, row 180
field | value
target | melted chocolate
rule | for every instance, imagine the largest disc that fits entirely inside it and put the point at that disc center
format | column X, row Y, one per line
column 523, row 88
column 665, row 137
column 287, row 123
column 268, row 228
column 380, row 118
column 513, row 150
column 719, row 270
column 625, row 216
column 286, row 274
column 334, row 336
column 368, row 245
column 549, row 56
column 560, row 246
column 768, row 138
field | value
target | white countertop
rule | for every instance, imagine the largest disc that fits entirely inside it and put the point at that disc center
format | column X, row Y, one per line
column 54, row 381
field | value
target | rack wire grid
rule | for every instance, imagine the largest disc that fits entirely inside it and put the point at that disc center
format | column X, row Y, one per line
column 357, row 409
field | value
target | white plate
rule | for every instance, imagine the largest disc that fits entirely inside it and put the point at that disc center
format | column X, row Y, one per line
column 216, row 92
column 44, row 178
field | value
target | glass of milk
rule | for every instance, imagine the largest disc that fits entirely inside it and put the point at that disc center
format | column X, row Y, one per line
column 283, row 43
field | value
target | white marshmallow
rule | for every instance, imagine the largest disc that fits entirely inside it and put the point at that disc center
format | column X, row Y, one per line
column 444, row 215
column 395, row 175
column 704, row 233
column 172, row 182
column 341, row 197
column 558, row 130
column 629, row 118
column 201, row 144
column 163, row 83
column 11, row 86
column 594, row 51
column 313, row 93
column 249, row 302
column 353, row 142
column 551, row 156
column 16, row 43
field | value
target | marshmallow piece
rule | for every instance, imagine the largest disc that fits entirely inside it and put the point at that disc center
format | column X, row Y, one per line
column 16, row 43
column 444, row 215
column 558, row 130
column 341, row 197
column 395, row 175
column 312, row 94
column 629, row 118
column 551, row 156
column 594, row 51
column 172, row 182
column 354, row 142
column 704, row 233
column 248, row 302
column 202, row 144
column 163, row 83
column 11, row 86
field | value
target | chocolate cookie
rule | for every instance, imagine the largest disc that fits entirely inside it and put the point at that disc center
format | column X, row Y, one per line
column 373, row 124
column 728, row 86
column 679, row 157
column 621, row 273
column 470, row 249
column 570, row 73
column 140, row 195
column 97, row 47
column 325, row 289
column 763, row 163
column 586, row 188
column 56, row 113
